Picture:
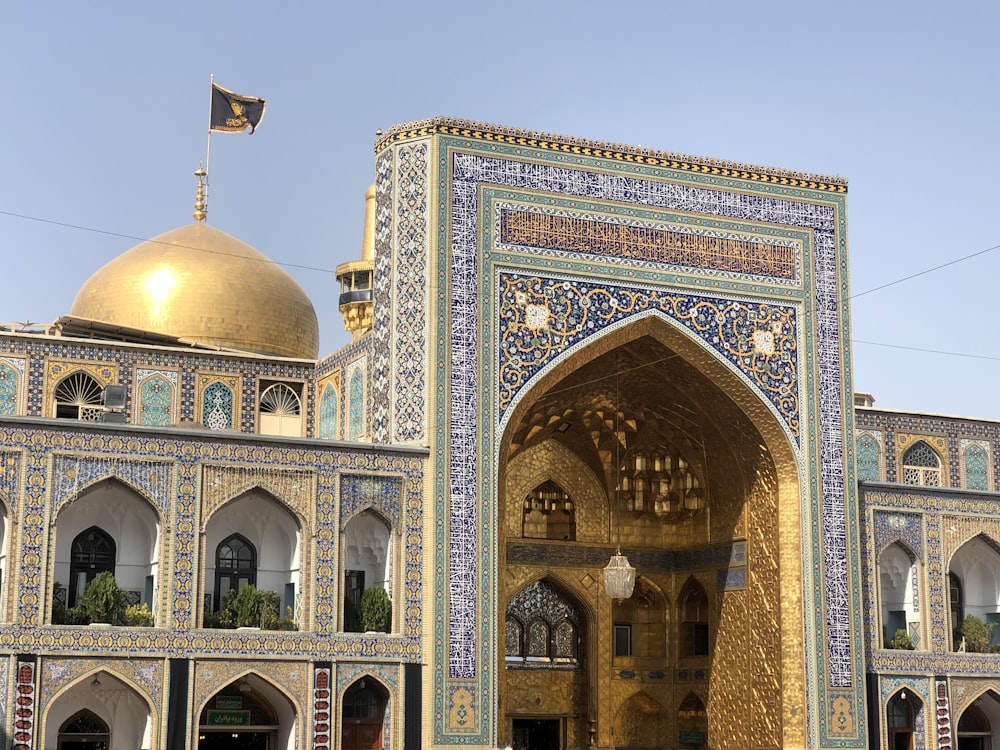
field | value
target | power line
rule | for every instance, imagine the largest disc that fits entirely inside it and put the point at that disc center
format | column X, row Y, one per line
column 168, row 244
column 328, row 270
column 922, row 273
column 927, row 351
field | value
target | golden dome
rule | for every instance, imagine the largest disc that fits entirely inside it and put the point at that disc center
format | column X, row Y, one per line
column 203, row 286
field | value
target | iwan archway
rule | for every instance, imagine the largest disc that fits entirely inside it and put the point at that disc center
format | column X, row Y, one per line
column 644, row 438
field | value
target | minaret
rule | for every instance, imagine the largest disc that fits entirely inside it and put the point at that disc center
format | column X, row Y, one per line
column 356, row 277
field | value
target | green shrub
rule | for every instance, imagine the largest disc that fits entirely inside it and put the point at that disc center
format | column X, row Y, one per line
column 250, row 608
column 376, row 609
column 977, row 634
column 138, row 616
column 901, row 639
column 104, row 601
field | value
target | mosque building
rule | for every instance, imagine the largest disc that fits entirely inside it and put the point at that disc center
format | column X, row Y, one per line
column 590, row 474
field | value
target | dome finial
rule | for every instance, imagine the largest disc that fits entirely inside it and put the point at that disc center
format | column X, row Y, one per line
column 200, row 203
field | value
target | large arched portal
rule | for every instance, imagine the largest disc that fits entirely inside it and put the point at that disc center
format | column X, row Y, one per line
column 657, row 446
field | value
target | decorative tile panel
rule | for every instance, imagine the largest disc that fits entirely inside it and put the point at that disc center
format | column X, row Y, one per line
column 409, row 374
column 156, row 397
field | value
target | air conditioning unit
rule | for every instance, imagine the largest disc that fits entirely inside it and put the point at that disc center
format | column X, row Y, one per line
column 114, row 396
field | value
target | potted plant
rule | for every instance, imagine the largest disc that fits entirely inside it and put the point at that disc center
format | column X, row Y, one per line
column 901, row 640
column 103, row 601
column 376, row 610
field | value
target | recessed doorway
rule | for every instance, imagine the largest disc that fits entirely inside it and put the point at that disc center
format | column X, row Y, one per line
column 537, row 734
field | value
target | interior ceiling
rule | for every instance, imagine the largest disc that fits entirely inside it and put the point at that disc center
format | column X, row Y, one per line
column 653, row 396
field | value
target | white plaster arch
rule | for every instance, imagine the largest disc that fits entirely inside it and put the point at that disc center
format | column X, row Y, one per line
column 130, row 519
column 275, row 531
column 123, row 705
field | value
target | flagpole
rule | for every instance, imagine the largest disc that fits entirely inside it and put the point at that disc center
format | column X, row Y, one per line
column 208, row 148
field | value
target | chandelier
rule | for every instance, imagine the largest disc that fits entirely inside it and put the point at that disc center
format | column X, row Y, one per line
column 619, row 575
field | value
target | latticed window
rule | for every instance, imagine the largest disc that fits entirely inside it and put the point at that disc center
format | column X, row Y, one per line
column 922, row 466
column 78, row 396
column 868, row 455
column 976, row 468
column 552, row 632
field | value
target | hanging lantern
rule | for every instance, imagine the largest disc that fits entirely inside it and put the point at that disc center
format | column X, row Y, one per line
column 619, row 577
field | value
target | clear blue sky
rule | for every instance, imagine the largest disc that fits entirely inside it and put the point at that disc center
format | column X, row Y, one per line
column 104, row 113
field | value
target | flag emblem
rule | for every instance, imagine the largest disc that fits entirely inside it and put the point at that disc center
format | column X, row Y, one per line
column 234, row 113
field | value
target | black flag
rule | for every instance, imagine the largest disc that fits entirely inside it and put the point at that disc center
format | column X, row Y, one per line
column 234, row 113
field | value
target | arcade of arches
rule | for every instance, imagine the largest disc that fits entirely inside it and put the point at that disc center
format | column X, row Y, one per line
column 647, row 441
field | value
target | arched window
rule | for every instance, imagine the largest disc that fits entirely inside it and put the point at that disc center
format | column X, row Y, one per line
column 548, row 514
column 974, row 588
column 977, row 475
column 694, row 620
column 922, row 466
column 280, row 411
column 235, row 566
column 92, row 552
column 513, row 638
column 538, row 640
column 78, row 396
column 640, row 624
column 868, row 459
column 552, row 631
column 84, row 731
column 899, row 721
column 328, row 414
column 897, row 592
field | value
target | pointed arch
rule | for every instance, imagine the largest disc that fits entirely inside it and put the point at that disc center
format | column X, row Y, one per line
column 976, row 467
column 130, row 520
column 125, row 707
column 974, row 590
column 754, row 477
column 356, row 405
column 693, row 619
column 369, row 550
column 641, row 721
column 272, row 710
column 218, row 406
column 156, row 397
column 640, row 624
column 275, row 531
column 553, row 461
column 899, row 594
column 10, row 389
column 328, row 413
column 869, row 458
column 365, row 718
column 903, row 713
column 922, row 465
